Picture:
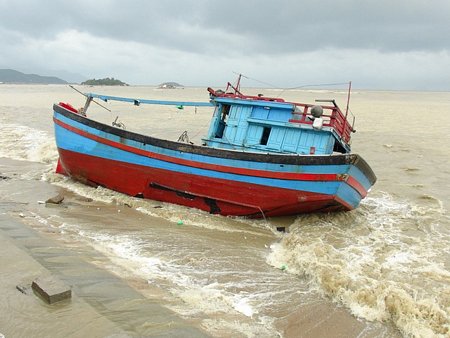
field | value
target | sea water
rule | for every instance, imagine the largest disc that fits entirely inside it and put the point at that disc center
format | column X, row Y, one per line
column 382, row 270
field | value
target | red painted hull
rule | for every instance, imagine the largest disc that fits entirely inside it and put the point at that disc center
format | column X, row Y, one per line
column 214, row 195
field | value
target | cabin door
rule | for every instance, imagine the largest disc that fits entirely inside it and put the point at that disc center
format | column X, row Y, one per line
column 237, row 124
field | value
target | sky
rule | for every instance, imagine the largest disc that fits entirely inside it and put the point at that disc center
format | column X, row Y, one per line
column 382, row 44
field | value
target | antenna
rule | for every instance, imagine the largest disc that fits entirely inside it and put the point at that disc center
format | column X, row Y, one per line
column 348, row 98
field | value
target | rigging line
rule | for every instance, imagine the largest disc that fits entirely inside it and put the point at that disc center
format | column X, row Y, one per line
column 313, row 85
column 296, row 87
column 271, row 85
column 91, row 99
column 290, row 88
column 200, row 129
column 319, row 85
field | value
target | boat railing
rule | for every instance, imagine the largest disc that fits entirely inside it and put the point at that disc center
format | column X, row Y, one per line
column 239, row 95
column 332, row 117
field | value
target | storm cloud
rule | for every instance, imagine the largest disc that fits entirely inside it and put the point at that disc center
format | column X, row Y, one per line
column 377, row 44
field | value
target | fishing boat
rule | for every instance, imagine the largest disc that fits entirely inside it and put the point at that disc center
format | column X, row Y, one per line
column 261, row 156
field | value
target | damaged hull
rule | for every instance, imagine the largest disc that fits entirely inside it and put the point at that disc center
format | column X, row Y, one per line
column 218, row 181
column 215, row 180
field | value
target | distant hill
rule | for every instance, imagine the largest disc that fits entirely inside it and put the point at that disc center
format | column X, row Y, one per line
column 104, row 82
column 170, row 85
column 14, row 76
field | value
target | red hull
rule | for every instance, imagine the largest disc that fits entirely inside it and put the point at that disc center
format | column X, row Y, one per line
column 214, row 195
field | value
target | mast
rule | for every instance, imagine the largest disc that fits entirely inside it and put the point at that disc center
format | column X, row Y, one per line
column 238, row 83
column 235, row 88
column 348, row 98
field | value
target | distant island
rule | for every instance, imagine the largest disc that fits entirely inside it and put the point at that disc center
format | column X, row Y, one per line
column 16, row 77
column 104, row 82
column 170, row 85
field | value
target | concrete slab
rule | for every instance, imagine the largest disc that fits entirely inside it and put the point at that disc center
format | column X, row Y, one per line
column 51, row 289
column 110, row 297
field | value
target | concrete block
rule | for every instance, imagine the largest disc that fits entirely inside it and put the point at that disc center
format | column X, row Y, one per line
column 51, row 289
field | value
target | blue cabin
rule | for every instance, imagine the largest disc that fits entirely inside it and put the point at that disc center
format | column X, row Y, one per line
column 274, row 126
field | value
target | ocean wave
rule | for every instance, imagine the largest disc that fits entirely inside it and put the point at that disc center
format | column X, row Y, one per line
column 384, row 261
column 27, row 144
column 194, row 287
column 179, row 215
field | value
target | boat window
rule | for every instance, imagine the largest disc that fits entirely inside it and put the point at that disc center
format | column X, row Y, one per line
column 222, row 122
column 225, row 111
column 265, row 135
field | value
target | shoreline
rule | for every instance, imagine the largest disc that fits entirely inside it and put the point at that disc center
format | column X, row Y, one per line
column 105, row 305
column 92, row 311
column 105, row 296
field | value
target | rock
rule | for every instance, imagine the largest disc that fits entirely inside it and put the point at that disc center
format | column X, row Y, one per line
column 2, row 177
column 56, row 199
column 170, row 85
column 51, row 289
column 22, row 288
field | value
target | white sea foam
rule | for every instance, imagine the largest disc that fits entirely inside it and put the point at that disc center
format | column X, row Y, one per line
column 372, row 262
column 27, row 144
column 194, row 286
column 241, row 305
column 171, row 212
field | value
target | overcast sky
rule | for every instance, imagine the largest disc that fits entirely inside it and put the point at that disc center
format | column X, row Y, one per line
column 379, row 44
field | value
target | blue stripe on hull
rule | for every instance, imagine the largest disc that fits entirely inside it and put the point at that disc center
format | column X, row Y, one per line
column 359, row 176
column 349, row 195
column 71, row 141
column 313, row 169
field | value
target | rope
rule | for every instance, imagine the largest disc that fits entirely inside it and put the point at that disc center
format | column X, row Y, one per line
column 312, row 85
column 296, row 87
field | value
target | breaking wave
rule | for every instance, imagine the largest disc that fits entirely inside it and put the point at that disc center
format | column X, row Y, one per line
column 385, row 262
column 176, row 214
column 27, row 144
column 229, row 296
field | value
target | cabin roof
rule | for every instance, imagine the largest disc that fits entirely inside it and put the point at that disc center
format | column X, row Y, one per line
column 254, row 102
